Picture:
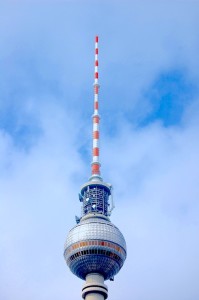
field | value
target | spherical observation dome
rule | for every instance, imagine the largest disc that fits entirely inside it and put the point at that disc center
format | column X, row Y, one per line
column 95, row 245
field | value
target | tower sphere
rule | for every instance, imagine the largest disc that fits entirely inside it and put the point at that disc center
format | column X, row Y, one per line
column 95, row 245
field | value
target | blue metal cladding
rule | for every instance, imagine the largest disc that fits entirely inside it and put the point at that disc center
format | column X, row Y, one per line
column 98, row 263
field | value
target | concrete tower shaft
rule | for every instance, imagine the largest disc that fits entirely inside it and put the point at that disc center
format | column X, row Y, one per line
column 94, row 288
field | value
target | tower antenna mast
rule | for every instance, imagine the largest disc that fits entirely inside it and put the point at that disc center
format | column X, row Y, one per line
column 95, row 165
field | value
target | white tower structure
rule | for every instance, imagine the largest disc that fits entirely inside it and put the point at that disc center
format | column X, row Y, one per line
column 95, row 249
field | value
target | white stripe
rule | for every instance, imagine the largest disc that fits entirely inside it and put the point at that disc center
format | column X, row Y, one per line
column 96, row 45
column 95, row 143
column 95, row 158
column 96, row 69
column 95, row 127
column 96, row 57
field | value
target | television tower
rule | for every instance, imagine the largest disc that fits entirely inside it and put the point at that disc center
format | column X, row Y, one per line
column 95, row 249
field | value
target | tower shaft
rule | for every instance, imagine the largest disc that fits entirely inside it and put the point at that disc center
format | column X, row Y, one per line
column 94, row 288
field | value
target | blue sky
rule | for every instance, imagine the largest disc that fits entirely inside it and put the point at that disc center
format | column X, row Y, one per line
column 149, row 106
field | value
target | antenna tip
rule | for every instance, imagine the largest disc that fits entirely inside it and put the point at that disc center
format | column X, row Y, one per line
column 96, row 39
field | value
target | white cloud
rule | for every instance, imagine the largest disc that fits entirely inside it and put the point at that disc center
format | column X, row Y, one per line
column 155, row 173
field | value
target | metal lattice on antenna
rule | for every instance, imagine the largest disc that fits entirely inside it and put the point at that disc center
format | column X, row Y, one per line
column 95, row 165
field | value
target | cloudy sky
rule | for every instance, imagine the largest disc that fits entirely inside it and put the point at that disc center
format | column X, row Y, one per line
column 149, row 106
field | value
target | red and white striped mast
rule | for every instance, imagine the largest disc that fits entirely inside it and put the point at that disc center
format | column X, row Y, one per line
column 95, row 165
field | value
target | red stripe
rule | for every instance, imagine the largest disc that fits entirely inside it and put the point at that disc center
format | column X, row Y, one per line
column 96, row 134
column 96, row 89
column 95, row 169
column 96, row 119
column 96, row 39
column 96, row 63
column 96, row 151
column 96, row 106
column 96, row 75
column 96, row 51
